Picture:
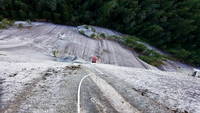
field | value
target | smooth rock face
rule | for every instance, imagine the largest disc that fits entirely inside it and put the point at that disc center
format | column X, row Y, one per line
column 176, row 91
column 33, row 80
column 43, row 39
column 40, row 42
column 87, row 30
column 52, row 87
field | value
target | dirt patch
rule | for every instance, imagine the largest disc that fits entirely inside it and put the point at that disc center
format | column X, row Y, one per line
column 2, row 54
column 106, row 51
column 74, row 67
column 143, row 92
column 1, row 82
column 14, row 105
column 49, row 72
column 13, row 75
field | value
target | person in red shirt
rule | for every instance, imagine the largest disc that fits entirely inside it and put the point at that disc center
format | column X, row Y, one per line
column 94, row 59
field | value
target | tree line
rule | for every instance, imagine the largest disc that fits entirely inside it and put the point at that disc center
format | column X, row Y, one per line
column 171, row 25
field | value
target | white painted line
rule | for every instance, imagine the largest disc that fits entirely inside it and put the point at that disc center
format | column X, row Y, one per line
column 115, row 99
column 79, row 91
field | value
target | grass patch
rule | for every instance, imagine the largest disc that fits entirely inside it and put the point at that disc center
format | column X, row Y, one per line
column 82, row 32
column 86, row 26
column 93, row 35
column 152, row 60
column 113, row 37
column 140, row 48
column 92, row 28
column 102, row 35
column 55, row 53
column 20, row 26
column 89, row 27
column 28, row 21
column 106, row 51
column 2, row 26
column 180, row 53
column 132, row 42
column 5, row 23
column 150, row 56
column 145, row 54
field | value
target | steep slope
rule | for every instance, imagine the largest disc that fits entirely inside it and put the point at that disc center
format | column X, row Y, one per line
column 42, row 39
column 175, row 91
column 53, row 87
column 45, row 38
column 33, row 80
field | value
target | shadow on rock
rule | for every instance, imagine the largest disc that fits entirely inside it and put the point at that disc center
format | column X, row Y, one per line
column 1, row 93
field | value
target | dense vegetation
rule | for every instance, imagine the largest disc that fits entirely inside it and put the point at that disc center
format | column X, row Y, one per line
column 172, row 25
column 5, row 23
column 130, row 42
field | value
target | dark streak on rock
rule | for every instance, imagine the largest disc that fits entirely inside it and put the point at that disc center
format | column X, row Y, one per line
column 1, row 82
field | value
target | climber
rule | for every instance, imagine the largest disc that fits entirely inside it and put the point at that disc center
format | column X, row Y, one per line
column 94, row 59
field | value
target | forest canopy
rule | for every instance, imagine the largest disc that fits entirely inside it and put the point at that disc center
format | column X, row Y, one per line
column 171, row 25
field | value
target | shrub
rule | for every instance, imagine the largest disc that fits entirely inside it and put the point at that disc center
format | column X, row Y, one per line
column 116, row 38
column 2, row 26
column 93, row 35
column 82, row 32
column 55, row 53
column 130, row 40
column 102, row 35
column 195, row 58
column 86, row 26
column 112, row 37
column 92, row 28
column 153, row 53
column 1, row 17
column 152, row 60
column 5, row 23
column 130, row 45
column 20, row 25
column 147, row 55
column 180, row 53
column 29, row 21
column 140, row 48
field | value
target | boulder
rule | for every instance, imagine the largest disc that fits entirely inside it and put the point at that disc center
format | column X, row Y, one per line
column 196, row 73
column 87, row 31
